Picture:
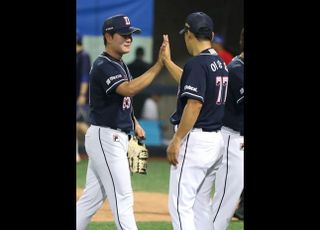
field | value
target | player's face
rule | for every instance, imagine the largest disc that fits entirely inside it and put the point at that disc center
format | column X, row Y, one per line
column 121, row 43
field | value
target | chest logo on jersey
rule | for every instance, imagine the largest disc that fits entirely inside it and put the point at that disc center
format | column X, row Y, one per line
column 189, row 87
column 112, row 78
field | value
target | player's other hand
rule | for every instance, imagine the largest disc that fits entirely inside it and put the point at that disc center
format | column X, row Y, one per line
column 139, row 131
column 173, row 151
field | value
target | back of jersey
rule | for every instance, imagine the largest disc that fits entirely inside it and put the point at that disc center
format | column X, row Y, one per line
column 204, row 78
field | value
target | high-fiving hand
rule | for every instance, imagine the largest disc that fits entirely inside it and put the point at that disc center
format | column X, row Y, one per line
column 165, row 49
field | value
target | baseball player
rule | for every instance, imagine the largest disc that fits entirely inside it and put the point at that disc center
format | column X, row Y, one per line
column 229, row 178
column 111, row 88
column 83, row 68
column 196, row 148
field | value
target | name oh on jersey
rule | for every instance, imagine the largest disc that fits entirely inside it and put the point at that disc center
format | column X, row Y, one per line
column 218, row 65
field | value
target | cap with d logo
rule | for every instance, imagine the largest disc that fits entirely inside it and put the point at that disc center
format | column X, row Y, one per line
column 119, row 24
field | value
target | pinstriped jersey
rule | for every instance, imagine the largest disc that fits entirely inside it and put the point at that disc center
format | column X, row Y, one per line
column 204, row 78
column 106, row 107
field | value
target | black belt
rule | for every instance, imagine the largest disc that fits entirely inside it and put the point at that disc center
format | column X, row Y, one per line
column 121, row 130
column 205, row 130
column 175, row 127
column 124, row 131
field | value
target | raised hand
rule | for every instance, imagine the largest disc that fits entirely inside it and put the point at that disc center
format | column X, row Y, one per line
column 165, row 48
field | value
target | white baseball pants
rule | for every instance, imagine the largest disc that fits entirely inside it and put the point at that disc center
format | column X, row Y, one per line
column 229, row 180
column 192, row 179
column 108, row 175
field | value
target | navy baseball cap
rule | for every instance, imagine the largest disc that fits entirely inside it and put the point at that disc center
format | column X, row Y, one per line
column 198, row 23
column 119, row 24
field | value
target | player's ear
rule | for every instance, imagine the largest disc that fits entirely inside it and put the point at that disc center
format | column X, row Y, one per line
column 189, row 34
column 108, row 37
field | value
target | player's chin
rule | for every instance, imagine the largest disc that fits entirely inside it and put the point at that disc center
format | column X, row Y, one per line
column 126, row 48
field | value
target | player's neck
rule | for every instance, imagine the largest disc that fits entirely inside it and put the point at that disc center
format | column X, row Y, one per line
column 201, row 46
column 113, row 54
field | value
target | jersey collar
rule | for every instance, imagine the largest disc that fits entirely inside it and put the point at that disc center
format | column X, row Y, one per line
column 240, row 59
column 209, row 51
column 110, row 57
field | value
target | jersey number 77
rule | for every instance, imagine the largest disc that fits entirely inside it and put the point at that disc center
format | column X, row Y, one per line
column 222, row 83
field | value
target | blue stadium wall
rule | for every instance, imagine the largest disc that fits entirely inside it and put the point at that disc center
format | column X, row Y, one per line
column 90, row 16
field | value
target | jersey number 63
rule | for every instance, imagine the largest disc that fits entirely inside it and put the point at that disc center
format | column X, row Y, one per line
column 126, row 103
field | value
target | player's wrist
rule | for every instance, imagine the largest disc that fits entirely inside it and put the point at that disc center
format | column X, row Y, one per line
column 166, row 61
column 177, row 137
column 160, row 63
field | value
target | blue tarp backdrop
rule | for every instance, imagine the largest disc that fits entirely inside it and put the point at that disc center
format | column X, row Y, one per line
column 92, row 13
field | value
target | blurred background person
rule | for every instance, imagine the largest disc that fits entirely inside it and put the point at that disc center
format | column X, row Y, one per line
column 218, row 46
column 150, row 109
column 137, row 68
column 83, row 69
column 150, row 119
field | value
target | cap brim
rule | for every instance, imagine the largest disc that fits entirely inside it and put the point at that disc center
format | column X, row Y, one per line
column 183, row 31
column 127, row 31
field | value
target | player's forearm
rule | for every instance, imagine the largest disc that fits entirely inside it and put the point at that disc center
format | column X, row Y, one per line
column 133, row 87
column 174, row 70
column 145, row 79
column 135, row 121
column 188, row 119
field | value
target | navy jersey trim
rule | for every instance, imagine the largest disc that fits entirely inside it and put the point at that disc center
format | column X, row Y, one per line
column 238, row 58
column 115, row 84
column 193, row 95
column 211, row 52
column 126, row 73
column 205, row 54
column 115, row 63
column 240, row 99
column 225, row 181
column 184, row 157
column 114, row 187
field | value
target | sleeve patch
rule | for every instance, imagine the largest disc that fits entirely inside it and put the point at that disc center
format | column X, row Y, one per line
column 112, row 78
column 189, row 87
